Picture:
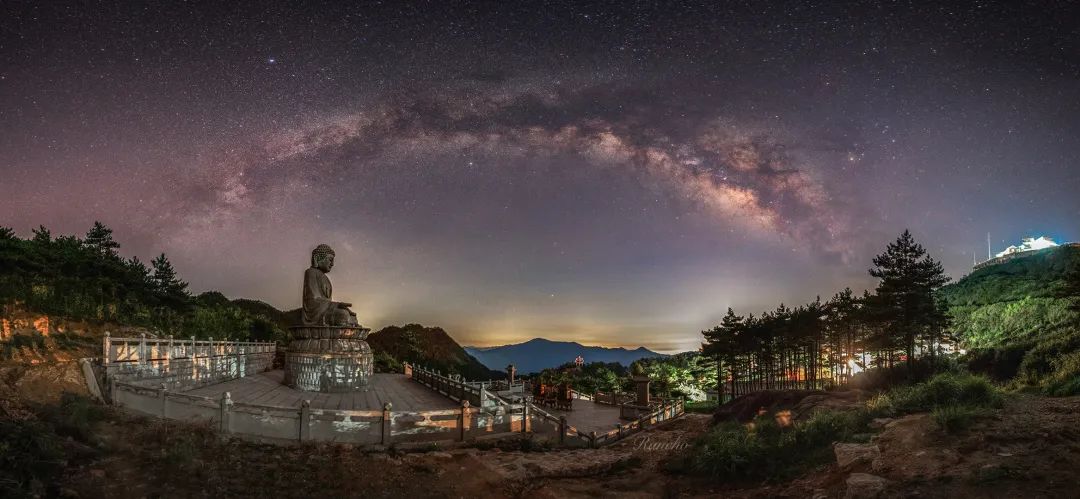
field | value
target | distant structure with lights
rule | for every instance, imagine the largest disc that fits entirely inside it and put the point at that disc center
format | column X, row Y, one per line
column 1028, row 246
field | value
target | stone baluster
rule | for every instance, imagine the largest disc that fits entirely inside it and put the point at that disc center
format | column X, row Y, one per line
column 305, row 420
column 387, row 421
column 106, row 351
column 464, row 420
column 142, row 349
column 224, row 415
column 164, row 395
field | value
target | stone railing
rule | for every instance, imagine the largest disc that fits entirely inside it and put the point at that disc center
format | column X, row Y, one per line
column 493, row 409
column 567, row 433
column 665, row 411
column 658, row 413
column 612, row 398
column 183, row 364
column 304, row 423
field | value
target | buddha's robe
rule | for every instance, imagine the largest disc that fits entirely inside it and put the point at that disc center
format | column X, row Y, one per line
column 319, row 309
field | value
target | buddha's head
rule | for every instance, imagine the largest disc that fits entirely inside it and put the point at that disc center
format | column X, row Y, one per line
column 322, row 258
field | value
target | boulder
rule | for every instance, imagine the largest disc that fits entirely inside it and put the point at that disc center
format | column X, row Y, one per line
column 848, row 455
column 879, row 423
column 864, row 486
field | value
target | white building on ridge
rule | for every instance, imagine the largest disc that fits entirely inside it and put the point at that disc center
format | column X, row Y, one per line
column 1028, row 244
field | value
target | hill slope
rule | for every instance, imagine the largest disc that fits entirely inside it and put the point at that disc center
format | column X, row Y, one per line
column 1015, row 315
column 1014, row 301
column 430, row 347
column 538, row 354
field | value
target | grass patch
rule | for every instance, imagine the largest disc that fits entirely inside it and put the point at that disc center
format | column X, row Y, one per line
column 1065, row 379
column 768, row 450
column 34, row 452
column 947, row 389
column 956, row 418
column 31, row 456
column 701, row 406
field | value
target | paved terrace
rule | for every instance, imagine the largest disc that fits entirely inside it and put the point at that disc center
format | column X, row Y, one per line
column 266, row 389
column 589, row 416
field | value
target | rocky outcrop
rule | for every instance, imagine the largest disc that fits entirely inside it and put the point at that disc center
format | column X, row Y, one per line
column 850, row 455
column 864, row 486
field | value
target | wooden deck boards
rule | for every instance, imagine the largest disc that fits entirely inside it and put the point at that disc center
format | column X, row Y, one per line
column 266, row 389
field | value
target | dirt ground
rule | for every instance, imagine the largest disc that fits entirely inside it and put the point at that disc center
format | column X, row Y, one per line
column 1030, row 448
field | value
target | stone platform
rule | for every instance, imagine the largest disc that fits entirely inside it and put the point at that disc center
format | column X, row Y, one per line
column 589, row 416
column 267, row 389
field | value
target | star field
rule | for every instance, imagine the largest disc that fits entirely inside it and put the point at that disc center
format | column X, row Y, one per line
column 615, row 173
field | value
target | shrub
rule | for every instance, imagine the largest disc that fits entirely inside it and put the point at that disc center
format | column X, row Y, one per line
column 765, row 450
column 946, row 389
column 1065, row 379
column 74, row 416
column 955, row 418
column 704, row 406
column 31, row 457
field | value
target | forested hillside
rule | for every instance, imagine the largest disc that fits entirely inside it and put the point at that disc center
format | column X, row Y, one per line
column 1020, row 318
column 1014, row 301
column 430, row 347
column 86, row 279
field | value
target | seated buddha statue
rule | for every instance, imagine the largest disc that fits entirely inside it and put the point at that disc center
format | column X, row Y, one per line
column 319, row 309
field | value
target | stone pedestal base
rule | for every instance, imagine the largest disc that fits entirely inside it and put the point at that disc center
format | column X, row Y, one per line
column 328, row 359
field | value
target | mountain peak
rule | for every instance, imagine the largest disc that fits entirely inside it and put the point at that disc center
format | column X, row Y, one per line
column 538, row 354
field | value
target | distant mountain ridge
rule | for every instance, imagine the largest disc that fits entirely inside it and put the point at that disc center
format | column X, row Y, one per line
column 538, row 354
column 429, row 347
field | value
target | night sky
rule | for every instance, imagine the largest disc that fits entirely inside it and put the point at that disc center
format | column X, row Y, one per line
column 614, row 174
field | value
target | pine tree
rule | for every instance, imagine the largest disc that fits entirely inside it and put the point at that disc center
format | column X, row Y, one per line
column 99, row 238
column 164, row 279
column 42, row 235
column 905, row 301
column 721, row 344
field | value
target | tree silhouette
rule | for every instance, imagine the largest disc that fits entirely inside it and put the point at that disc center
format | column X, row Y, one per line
column 905, row 302
column 100, row 239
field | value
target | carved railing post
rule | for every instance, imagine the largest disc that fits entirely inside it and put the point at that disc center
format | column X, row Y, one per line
column 305, row 420
column 592, row 439
column 106, row 351
column 194, row 366
column 526, row 425
column 226, row 408
column 142, row 349
column 464, row 420
column 562, row 429
column 169, row 350
column 386, row 423
column 164, row 394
